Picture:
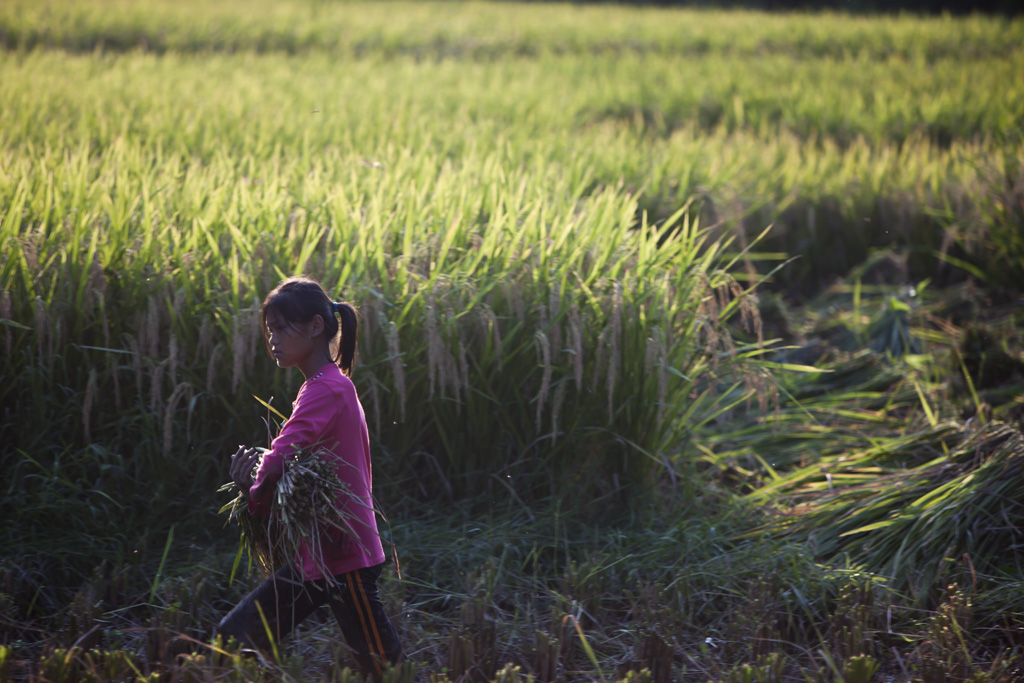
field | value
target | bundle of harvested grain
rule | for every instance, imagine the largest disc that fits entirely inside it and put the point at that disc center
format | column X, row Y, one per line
column 304, row 507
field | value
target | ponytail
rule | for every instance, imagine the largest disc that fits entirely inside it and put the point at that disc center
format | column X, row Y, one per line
column 349, row 328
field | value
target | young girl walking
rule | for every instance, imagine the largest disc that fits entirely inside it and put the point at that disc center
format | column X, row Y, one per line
column 301, row 326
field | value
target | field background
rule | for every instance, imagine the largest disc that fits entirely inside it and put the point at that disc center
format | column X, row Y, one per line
column 690, row 339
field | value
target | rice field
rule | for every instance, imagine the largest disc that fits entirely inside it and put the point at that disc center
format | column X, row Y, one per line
column 630, row 281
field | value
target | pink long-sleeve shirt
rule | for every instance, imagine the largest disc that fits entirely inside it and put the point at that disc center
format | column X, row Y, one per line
column 327, row 414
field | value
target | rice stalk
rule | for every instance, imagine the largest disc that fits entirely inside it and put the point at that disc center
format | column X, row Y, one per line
column 902, row 521
column 152, row 329
column 172, row 357
column 463, row 370
column 434, row 341
column 397, row 367
column 554, row 307
column 6, row 313
column 576, row 344
column 104, row 320
column 211, row 361
column 132, row 342
column 556, row 407
column 599, row 361
column 544, row 360
column 113, row 369
column 614, row 344
column 41, row 323
column 374, row 393
column 156, row 376
column 90, row 396
column 54, row 339
column 179, row 392
column 239, row 349
column 493, row 328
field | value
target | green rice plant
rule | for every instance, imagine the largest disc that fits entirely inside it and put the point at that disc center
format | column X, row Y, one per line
column 493, row 31
column 162, row 329
column 513, row 198
column 990, row 225
column 769, row 669
column 860, row 669
column 891, row 333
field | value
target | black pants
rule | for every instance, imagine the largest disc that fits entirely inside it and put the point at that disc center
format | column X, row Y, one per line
column 286, row 600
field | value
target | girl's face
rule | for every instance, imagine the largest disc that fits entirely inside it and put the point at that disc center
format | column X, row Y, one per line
column 292, row 345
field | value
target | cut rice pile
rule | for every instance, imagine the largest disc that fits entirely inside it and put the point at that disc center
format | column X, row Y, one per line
column 302, row 510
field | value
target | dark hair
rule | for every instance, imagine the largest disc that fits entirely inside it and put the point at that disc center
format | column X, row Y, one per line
column 298, row 299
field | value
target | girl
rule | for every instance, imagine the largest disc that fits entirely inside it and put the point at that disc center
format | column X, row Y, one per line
column 300, row 324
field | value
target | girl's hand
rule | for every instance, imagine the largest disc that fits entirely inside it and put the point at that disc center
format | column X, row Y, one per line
column 242, row 463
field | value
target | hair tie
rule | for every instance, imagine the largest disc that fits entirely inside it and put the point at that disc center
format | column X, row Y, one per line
column 336, row 306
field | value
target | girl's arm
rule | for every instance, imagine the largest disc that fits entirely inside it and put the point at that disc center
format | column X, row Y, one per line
column 315, row 407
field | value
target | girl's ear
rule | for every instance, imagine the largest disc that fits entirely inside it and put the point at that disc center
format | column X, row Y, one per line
column 316, row 326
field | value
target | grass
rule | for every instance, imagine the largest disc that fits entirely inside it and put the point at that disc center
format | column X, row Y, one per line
column 485, row 592
column 485, row 31
column 598, row 404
